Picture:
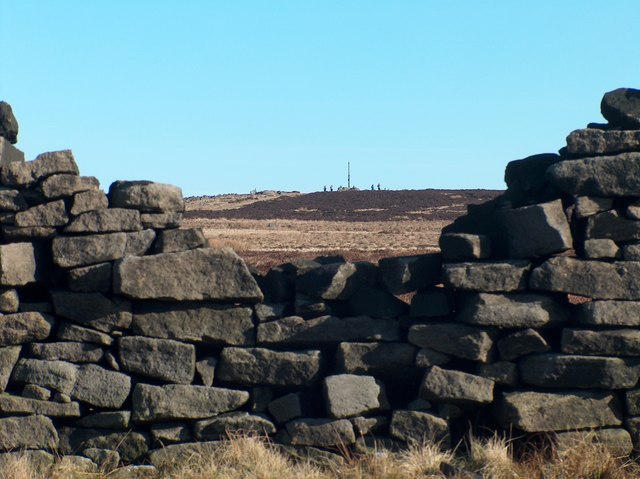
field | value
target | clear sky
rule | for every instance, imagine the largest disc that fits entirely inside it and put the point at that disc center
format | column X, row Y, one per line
column 234, row 95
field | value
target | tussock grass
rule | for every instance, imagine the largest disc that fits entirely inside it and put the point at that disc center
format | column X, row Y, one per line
column 257, row 458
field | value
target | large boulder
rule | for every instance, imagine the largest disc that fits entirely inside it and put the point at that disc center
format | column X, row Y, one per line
column 8, row 123
column 349, row 395
column 27, row 432
column 163, row 359
column 146, row 196
column 108, row 220
column 622, row 108
column 220, row 275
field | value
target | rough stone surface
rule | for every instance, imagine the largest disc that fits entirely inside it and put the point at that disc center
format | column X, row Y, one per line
column 129, row 444
column 457, row 340
column 106, row 420
column 607, row 313
column 595, row 142
column 622, row 107
column 428, row 357
column 537, row 230
column 146, row 196
column 330, row 281
column 601, row 249
column 500, row 372
column 349, row 395
column 22, row 328
column 8, row 124
column 611, row 225
column 499, row 276
column 170, row 433
column 553, row 370
column 512, row 310
column 27, row 432
column 101, row 387
column 175, row 454
column 171, row 241
column 520, row 343
column 21, row 405
column 164, row 359
column 96, row 278
column 585, row 206
column 419, row 427
column 566, row 411
column 325, row 330
column 17, row 264
column 88, row 201
column 161, row 220
column 321, row 432
column 176, row 401
column 221, row 426
column 258, row 366
column 9, row 301
column 375, row 303
column 12, row 200
column 67, row 351
column 594, row 279
column 378, row 359
column 73, row 251
column 32, row 391
column 206, row 368
column 199, row 322
column 463, row 246
column 455, row 386
column 8, row 358
column 605, row 176
column 93, row 309
column 59, row 186
column 105, row 221
column 73, row 332
column 287, row 407
column 608, row 342
column 616, row 440
column 410, row 273
column 9, row 153
column 221, row 275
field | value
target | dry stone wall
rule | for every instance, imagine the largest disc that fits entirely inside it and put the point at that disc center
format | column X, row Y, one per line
column 124, row 338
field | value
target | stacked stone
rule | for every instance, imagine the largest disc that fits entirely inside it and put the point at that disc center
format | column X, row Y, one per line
column 550, row 273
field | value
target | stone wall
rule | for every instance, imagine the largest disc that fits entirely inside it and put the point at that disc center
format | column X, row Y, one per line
column 121, row 332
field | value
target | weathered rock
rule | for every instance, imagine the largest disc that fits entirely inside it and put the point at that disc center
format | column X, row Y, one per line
column 77, row 464
column 21, row 405
column 349, row 395
column 321, row 432
column 457, row 340
column 287, row 407
column 232, row 423
column 575, row 371
column 176, row 454
column 499, row 276
column 608, row 342
column 106, row 459
column 601, row 249
column 377, row 359
column 171, row 241
column 432, row 303
column 161, row 221
column 8, row 358
column 39, row 460
column 206, row 368
column 73, row 251
column 261, row 396
column 615, row 440
column 12, row 200
column 520, row 343
column 566, row 411
column 8, row 123
column 307, row 307
column 410, row 273
column 595, row 142
column 526, row 180
column 631, row 252
column 512, row 310
column 607, row 313
column 134, row 472
column 146, row 196
column 375, row 303
column 325, row 331
column 101, row 387
column 177, row 401
column 610, row 225
column 331, row 281
column 419, row 427
column 9, row 153
column 606, row 176
column 269, row 311
column 22, row 328
column 93, row 309
column 108, row 220
column 17, row 264
column 73, row 332
column 106, row 420
column 165, row 434
column 455, row 386
column 199, row 322
column 96, row 278
column 27, row 432
column 622, row 107
column 258, row 366
column 9, row 301
column 130, row 445
column 88, row 201
column 594, row 279
column 428, row 357
column 164, row 359
column 46, row 164
column 500, row 372
column 590, row 205
column 65, row 185
column 221, row 275
column 17, row 233
column 139, row 242
column 67, row 351
column 537, row 230
column 32, row 391
column 464, row 246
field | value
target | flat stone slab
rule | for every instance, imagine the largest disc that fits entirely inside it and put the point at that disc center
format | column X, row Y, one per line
column 221, row 275
column 457, row 340
column 45, row 215
column 410, row 273
column 24, row 174
column 57, row 375
column 607, row 176
column 27, row 432
column 101, row 387
column 520, row 343
column 350, row 395
column 198, row 322
column 88, row 201
column 455, row 386
column 67, row 351
column 74, row 251
column 607, row 313
column 106, row 420
column 498, row 276
column 130, row 445
column 553, row 370
column 220, row 427
column 512, row 310
column 593, row 279
column 566, row 411
column 19, row 328
column 107, row 220
column 417, row 427
column 616, row 440
column 96, row 278
column 10, row 404
column 377, row 359
column 174, row 240
column 612, row 226
column 295, row 331
column 177, row 401
column 596, row 142
column 608, row 342
column 64, row 185
column 17, row 264
column 93, row 309
column 163, row 359
column 146, row 196
column 321, row 432
column 263, row 367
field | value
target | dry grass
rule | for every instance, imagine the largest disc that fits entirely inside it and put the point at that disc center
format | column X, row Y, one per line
column 252, row 457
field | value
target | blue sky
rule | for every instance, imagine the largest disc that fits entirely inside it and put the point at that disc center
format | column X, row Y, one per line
column 230, row 96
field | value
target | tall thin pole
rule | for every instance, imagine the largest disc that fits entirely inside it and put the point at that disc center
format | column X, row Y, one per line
column 349, row 175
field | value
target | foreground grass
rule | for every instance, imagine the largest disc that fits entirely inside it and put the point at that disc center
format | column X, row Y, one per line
column 250, row 457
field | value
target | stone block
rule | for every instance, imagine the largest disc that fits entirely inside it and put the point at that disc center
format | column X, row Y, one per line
column 375, row 303
column 287, row 407
column 585, row 206
column 432, row 303
column 22, row 328
column 607, row 313
column 428, row 357
column 387, row 360
column 607, row 342
column 9, row 153
column 45, row 215
column 350, row 395
column 146, row 196
column 332, row 281
column 171, row 241
column 66, row 351
column 601, row 249
column 410, row 273
column 615, row 440
column 321, row 432
column 101, row 387
column 17, row 264
column 498, row 276
column 456, row 340
column 21, row 405
column 130, row 445
column 106, row 420
column 631, row 252
column 27, row 432
column 163, row 359
column 224, row 425
column 596, row 142
column 161, row 221
column 57, row 375
column 521, row 343
column 464, row 246
column 110, row 220
column 73, row 332
column 12, row 201
column 455, row 386
column 621, row 107
column 165, row 434
column 65, row 185
column 501, row 372
column 611, row 225
column 94, row 310
column 417, row 427
column 8, row 357
column 88, row 201
column 96, row 278
column 206, row 368
column 9, row 301
column 74, row 251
